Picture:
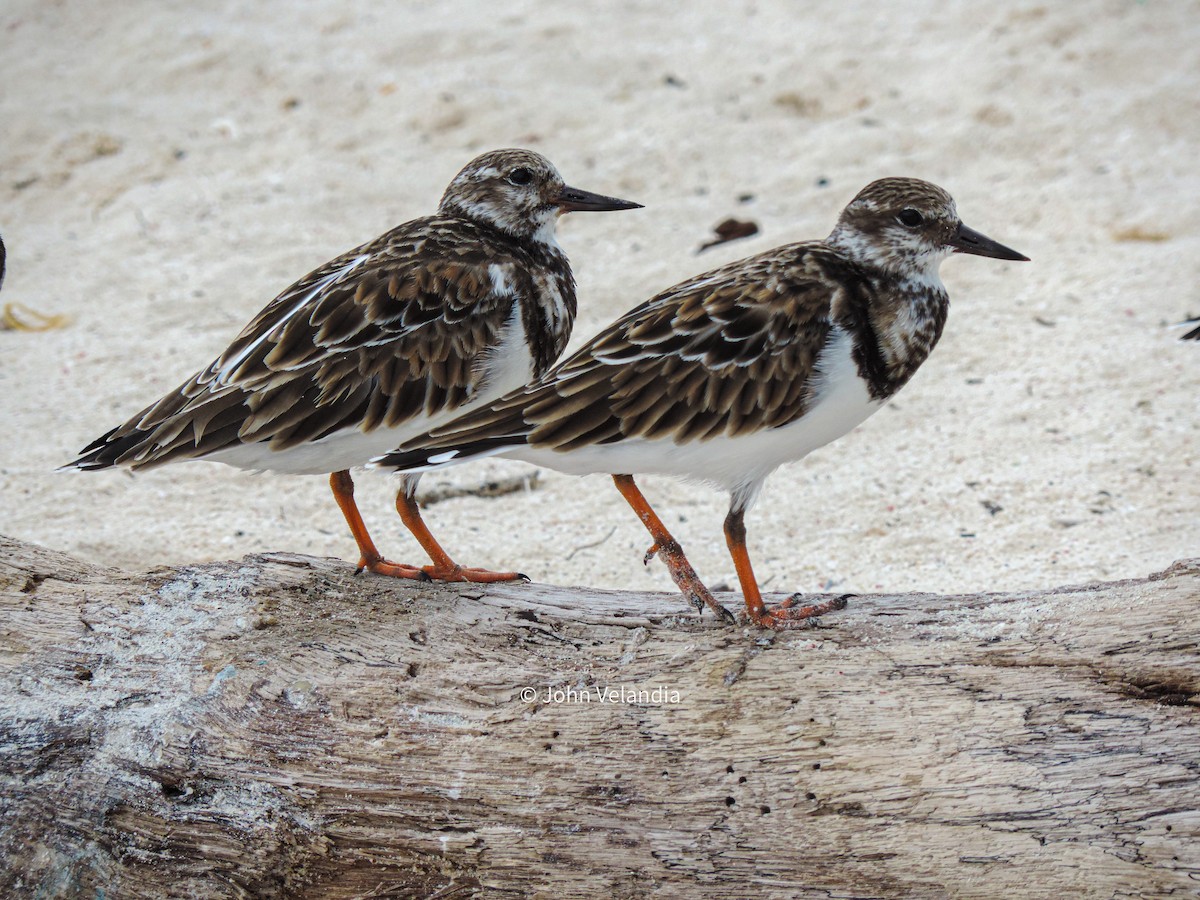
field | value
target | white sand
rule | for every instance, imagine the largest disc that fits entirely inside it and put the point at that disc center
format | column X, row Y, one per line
column 165, row 172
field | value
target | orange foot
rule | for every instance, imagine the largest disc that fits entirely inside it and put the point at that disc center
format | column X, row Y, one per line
column 456, row 572
column 381, row 566
column 790, row 614
column 685, row 577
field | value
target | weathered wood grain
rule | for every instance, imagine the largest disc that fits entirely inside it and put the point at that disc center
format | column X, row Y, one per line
column 278, row 727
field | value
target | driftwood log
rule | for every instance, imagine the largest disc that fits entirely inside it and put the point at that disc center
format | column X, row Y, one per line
column 277, row 727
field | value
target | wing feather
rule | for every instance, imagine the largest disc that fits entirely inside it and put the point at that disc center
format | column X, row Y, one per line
column 389, row 331
column 728, row 353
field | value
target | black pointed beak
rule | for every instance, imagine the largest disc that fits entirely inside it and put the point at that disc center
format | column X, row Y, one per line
column 968, row 240
column 574, row 200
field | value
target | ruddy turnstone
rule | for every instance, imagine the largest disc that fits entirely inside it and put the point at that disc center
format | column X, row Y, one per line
column 726, row 376
column 433, row 318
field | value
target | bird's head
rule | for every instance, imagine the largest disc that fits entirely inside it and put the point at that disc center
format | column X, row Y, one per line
column 520, row 193
column 905, row 225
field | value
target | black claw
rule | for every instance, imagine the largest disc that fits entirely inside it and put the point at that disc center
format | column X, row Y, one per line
column 730, row 618
column 360, row 570
column 523, row 578
column 424, row 576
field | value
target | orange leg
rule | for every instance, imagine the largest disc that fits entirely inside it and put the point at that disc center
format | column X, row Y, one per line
column 787, row 613
column 369, row 558
column 443, row 568
column 668, row 548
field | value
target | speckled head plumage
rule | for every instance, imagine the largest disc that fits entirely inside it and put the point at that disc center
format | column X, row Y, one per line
column 520, row 193
column 906, row 225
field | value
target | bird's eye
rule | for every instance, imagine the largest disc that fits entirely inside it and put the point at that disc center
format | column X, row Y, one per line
column 910, row 218
column 520, row 176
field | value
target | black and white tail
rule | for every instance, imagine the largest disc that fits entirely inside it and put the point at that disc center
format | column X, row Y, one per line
column 427, row 459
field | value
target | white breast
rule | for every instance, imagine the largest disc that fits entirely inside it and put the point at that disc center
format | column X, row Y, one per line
column 509, row 365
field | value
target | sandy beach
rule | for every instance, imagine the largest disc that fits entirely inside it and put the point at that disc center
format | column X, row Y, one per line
column 168, row 168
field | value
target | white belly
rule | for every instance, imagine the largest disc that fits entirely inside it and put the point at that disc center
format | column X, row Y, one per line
column 841, row 402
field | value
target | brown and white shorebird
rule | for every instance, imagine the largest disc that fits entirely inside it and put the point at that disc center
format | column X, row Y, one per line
column 433, row 318
column 728, row 375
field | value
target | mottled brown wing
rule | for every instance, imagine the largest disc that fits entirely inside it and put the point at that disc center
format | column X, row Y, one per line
column 728, row 353
column 378, row 336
